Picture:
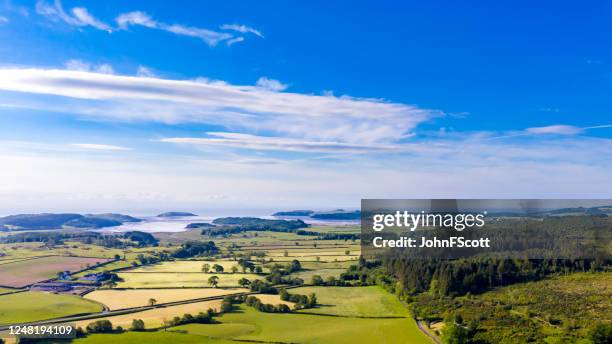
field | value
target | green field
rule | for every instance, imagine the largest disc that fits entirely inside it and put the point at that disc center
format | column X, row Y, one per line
column 106, row 267
column 187, row 266
column 336, row 229
column 251, row 325
column 354, row 301
column 159, row 337
column 128, row 298
column 327, row 265
column 32, row 306
column 7, row 290
column 306, row 275
column 178, row 279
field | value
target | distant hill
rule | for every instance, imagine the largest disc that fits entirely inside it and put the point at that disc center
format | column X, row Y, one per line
column 91, row 222
column 175, row 214
column 338, row 215
column 199, row 225
column 255, row 223
column 294, row 213
column 117, row 217
column 36, row 221
column 577, row 211
column 233, row 225
column 59, row 221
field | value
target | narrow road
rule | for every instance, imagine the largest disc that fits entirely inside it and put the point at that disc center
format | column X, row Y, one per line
column 108, row 313
column 432, row 337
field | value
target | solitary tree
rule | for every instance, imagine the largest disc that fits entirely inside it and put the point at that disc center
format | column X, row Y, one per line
column 234, row 269
column 206, row 268
column 218, row 268
column 137, row 325
column 152, row 302
column 213, row 281
column 347, row 252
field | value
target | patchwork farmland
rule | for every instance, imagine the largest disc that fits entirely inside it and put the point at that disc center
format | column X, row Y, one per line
column 165, row 292
column 26, row 272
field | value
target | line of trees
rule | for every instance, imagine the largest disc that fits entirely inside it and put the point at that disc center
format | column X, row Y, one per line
column 301, row 301
column 256, row 303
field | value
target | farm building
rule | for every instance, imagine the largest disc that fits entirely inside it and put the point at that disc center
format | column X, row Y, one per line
column 52, row 286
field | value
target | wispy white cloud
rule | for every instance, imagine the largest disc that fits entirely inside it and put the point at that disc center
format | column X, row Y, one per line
column 138, row 18
column 241, row 29
column 125, row 20
column 81, row 17
column 100, row 147
column 252, row 108
column 253, row 142
column 82, row 66
column 77, row 16
column 3, row 20
column 558, row 129
column 232, row 41
column 146, row 72
column 271, row 84
column 436, row 170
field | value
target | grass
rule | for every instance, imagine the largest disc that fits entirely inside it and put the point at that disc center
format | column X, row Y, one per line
column 251, row 325
column 327, row 265
column 154, row 318
column 306, row 275
column 33, row 306
column 336, row 229
column 119, row 299
column 7, row 290
column 187, row 266
column 311, row 252
column 178, row 279
column 354, row 301
column 316, row 258
column 107, row 267
column 29, row 271
column 159, row 337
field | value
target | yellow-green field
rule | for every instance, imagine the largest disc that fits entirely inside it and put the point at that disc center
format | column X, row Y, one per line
column 251, row 325
column 33, row 306
column 7, row 290
column 119, row 299
column 158, row 337
column 187, row 266
column 354, row 301
column 307, row 275
column 178, row 279
column 315, row 258
column 106, row 267
column 154, row 318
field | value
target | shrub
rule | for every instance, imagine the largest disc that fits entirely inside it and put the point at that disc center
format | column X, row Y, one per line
column 100, row 326
column 137, row 325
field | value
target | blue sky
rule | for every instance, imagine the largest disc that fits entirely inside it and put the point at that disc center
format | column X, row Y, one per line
column 138, row 106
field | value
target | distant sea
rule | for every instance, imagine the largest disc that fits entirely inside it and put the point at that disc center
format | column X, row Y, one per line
column 153, row 224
